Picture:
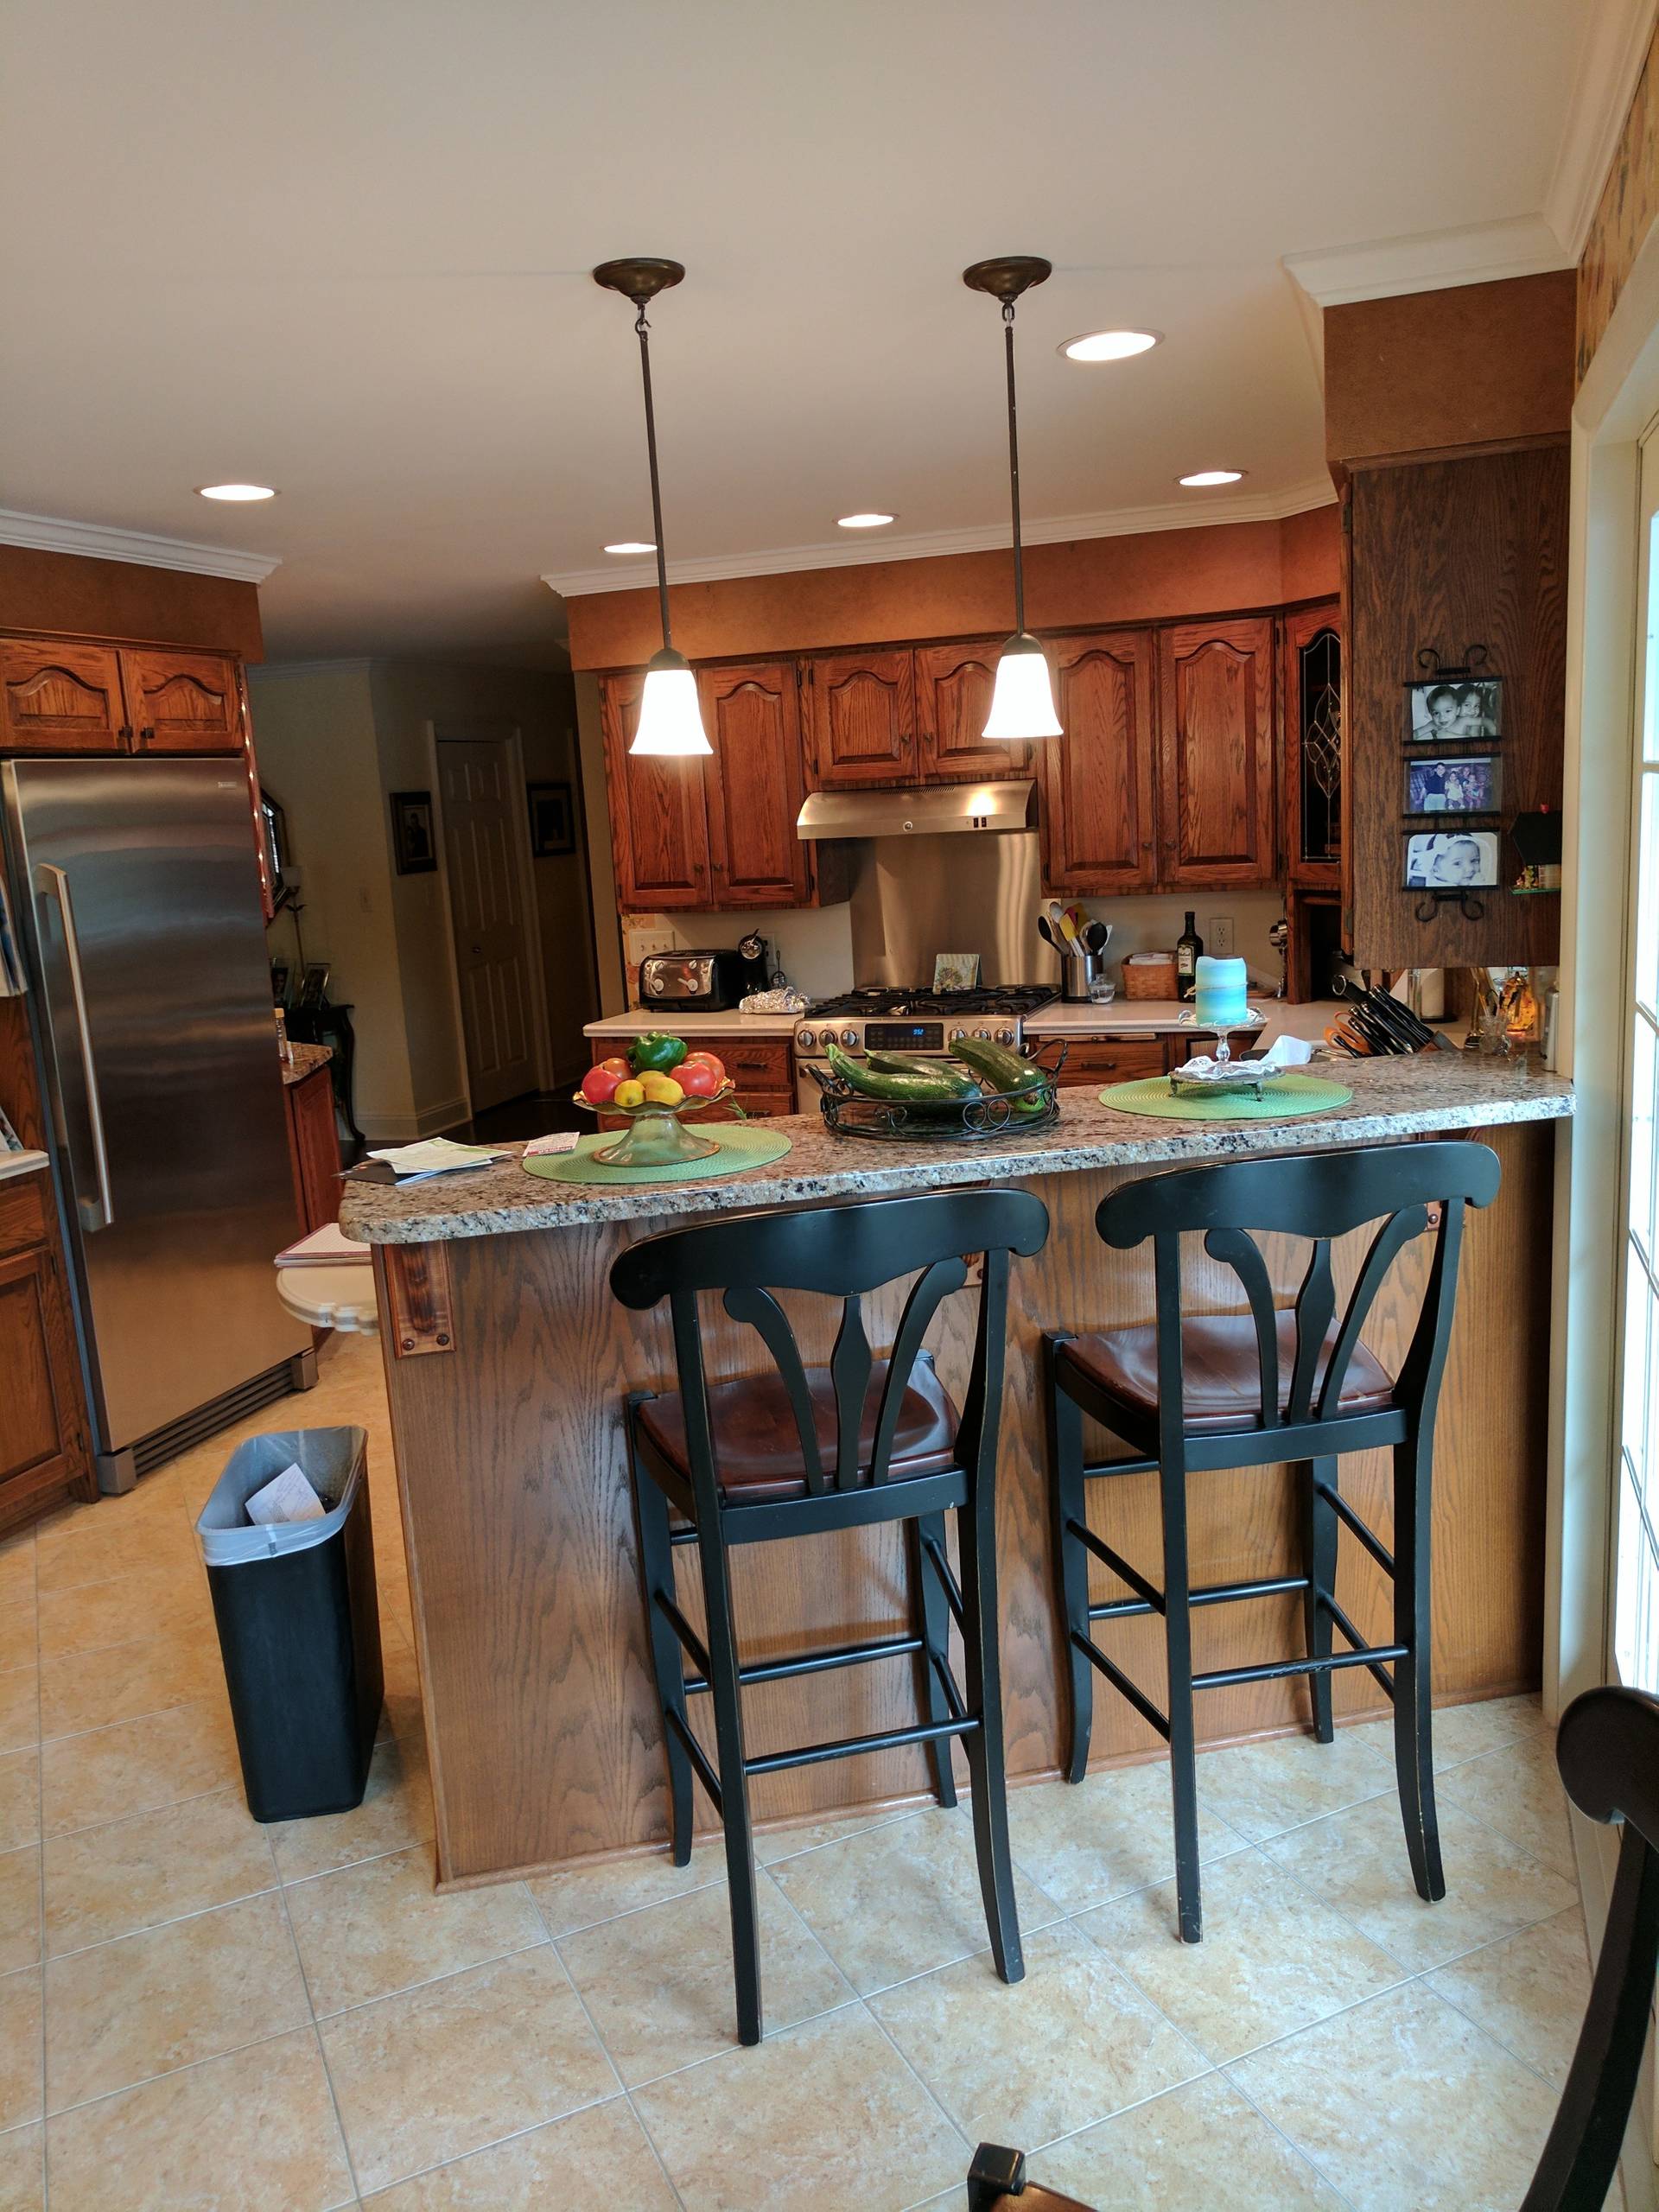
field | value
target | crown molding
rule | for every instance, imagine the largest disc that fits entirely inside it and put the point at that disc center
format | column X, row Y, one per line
column 1430, row 261
column 96, row 542
column 1603, row 86
column 1202, row 512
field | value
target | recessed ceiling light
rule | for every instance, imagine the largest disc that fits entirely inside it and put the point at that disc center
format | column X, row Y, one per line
column 235, row 492
column 864, row 522
column 1110, row 344
column 633, row 545
column 1202, row 479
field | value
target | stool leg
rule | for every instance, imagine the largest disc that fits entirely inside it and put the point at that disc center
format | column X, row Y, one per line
column 656, row 1575
column 1178, row 1636
column 976, row 1541
column 1320, row 1565
column 726, row 1691
column 930, row 1620
column 1070, row 1561
column 1413, row 1711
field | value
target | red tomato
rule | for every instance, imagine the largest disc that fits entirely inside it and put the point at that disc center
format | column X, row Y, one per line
column 702, row 1060
column 599, row 1084
column 697, row 1079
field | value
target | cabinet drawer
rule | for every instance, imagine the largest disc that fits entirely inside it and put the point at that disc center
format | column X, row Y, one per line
column 1111, row 1060
column 752, row 1063
column 23, row 1215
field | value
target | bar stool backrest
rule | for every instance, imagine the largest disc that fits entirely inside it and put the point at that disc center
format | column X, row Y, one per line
column 843, row 1252
column 1318, row 1196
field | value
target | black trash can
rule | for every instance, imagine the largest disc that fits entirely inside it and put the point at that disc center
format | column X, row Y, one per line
column 299, row 1624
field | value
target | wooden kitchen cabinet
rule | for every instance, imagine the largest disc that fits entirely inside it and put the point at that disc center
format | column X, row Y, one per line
column 61, row 698
column 1100, row 1060
column 862, row 710
column 659, row 829
column 1217, row 808
column 43, row 1454
column 314, row 1147
column 181, row 701
column 953, row 697
column 754, row 783
column 1097, row 780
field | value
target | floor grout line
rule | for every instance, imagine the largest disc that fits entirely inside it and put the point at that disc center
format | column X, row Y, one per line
column 316, row 2031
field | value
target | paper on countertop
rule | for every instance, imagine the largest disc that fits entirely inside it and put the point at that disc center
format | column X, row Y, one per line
column 1283, row 1052
column 413, row 1163
column 328, row 1246
column 559, row 1141
column 287, row 1496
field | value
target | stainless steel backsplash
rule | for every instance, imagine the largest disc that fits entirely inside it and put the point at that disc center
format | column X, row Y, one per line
column 913, row 897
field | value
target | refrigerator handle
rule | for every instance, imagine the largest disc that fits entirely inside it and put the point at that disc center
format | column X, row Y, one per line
column 51, row 882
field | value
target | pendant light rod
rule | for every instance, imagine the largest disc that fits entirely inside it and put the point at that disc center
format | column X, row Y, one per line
column 639, row 278
column 1005, row 278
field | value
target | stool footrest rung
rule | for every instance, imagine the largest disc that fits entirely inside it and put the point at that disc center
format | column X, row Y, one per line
column 696, row 1753
column 1345, row 1513
column 848, row 1746
column 1211, row 1593
column 952, row 1589
column 1152, row 1599
column 1277, row 1669
column 813, row 1662
column 694, row 1644
column 1119, row 1467
column 1121, row 1682
column 1346, row 1629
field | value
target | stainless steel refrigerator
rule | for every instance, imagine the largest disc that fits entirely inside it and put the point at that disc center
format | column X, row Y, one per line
column 137, row 900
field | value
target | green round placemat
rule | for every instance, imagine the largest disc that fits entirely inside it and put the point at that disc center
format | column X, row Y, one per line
column 741, row 1145
column 1284, row 1095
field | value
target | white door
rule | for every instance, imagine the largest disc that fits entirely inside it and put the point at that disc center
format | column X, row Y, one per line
column 482, row 811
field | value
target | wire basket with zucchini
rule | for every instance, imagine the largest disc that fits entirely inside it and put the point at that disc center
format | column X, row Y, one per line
column 983, row 1090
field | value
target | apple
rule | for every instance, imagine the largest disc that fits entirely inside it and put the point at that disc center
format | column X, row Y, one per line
column 599, row 1084
column 702, row 1060
column 698, row 1080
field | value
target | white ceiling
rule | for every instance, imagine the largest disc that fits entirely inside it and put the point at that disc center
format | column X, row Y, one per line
column 344, row 250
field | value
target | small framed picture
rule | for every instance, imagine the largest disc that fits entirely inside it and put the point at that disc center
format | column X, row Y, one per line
column 552, row 820
column 412, row 840
column 1469, row 785
column 955, row 971
column 1451, row 860
column 1446, row 710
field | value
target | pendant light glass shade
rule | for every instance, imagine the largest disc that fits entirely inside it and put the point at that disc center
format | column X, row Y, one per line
column 1022, row 703
column 671, row 717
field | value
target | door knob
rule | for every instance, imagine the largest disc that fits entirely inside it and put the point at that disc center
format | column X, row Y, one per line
column 478, row 952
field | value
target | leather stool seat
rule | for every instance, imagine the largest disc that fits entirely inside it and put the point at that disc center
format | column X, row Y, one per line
column 757, row 1446
column 1221, row 1370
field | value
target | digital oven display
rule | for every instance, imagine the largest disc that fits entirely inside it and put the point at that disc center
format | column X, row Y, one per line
column 904, row 1036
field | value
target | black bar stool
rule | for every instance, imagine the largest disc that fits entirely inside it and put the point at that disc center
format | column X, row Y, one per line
column 803, row 1449
column 1251, row 1390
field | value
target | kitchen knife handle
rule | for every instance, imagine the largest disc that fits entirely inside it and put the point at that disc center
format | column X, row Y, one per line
column 52, row 882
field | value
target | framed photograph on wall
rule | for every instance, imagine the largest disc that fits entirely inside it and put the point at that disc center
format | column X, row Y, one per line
column 1469, row 784
column 1451, row 860
column 552, row 820
column 413, row 841
column 1448, row 710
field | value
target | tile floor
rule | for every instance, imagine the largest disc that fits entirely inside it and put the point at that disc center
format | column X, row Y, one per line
column 197, row 2011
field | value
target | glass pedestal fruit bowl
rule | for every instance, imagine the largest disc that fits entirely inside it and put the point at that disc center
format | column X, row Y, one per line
column 656, row 1135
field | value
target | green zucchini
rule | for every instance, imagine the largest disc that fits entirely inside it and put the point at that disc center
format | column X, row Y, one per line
column 935, row 1071
column 997, row 1068
column 909, row 1089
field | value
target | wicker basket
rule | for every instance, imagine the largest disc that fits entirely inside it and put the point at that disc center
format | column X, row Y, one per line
column 1150, row 978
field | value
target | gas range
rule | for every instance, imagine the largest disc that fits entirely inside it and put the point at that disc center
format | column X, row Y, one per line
column 921, row 1020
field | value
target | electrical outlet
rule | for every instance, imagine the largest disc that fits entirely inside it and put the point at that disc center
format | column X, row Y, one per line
column 1218, row 936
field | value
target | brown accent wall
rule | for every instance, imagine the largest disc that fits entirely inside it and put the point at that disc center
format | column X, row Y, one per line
column 48, row 594
column 1476, row 364
column 1625, row 214
column 1151, row 577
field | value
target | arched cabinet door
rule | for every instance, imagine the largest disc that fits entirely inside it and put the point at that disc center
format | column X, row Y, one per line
column 182, row 701
column 953, row 697
column 863, row 719
column 754, row 784
column 59, row 698
column 1216, row 802
column 1098, row 829
column 659, row 830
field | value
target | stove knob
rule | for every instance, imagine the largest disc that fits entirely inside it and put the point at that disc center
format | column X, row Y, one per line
column 806, row 1039
column 985, row 1034
column 849, row 1038
column 1005, row 1036
column 954, row 1034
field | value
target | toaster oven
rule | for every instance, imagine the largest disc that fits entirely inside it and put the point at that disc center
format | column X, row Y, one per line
column 695, row 981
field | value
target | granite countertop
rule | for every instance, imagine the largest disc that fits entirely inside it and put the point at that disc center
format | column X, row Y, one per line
column 1435, row 1092
column 694, row 1025
column 307, row 1059
column 21, row 1163
column 1153, row 1017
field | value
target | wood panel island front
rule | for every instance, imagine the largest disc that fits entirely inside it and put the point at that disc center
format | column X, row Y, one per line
column 508, row 1362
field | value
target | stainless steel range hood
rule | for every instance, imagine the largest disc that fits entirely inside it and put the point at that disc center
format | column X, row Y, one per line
column 939, row 809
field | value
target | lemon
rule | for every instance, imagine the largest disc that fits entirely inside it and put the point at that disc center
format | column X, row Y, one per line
column 661, row 1089
column 628, row 1094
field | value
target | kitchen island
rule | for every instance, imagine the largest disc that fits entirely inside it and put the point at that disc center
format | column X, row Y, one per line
column 507, row 1365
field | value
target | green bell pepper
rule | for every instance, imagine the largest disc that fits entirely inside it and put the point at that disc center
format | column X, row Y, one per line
column 656, row 1049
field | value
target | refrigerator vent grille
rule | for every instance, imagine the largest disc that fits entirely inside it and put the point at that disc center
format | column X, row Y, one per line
column 203, row 1421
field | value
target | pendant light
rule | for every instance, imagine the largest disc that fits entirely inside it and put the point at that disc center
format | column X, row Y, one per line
column 670, row 721
column 1022, row 703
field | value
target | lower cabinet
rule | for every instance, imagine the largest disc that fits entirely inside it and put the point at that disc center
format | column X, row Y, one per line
column 43, row 1430
column 763, row 1068
column 1100, row 1060
column 313, row 1149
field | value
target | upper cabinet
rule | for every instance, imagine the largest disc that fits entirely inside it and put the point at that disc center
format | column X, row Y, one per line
column 1097, row 780
column 61, row 698
column 862, row 708
column 1311, row 755
column 660, row 831
column 953, row 697
column 1216, row 801
column 181, row 701
column 754, row 784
